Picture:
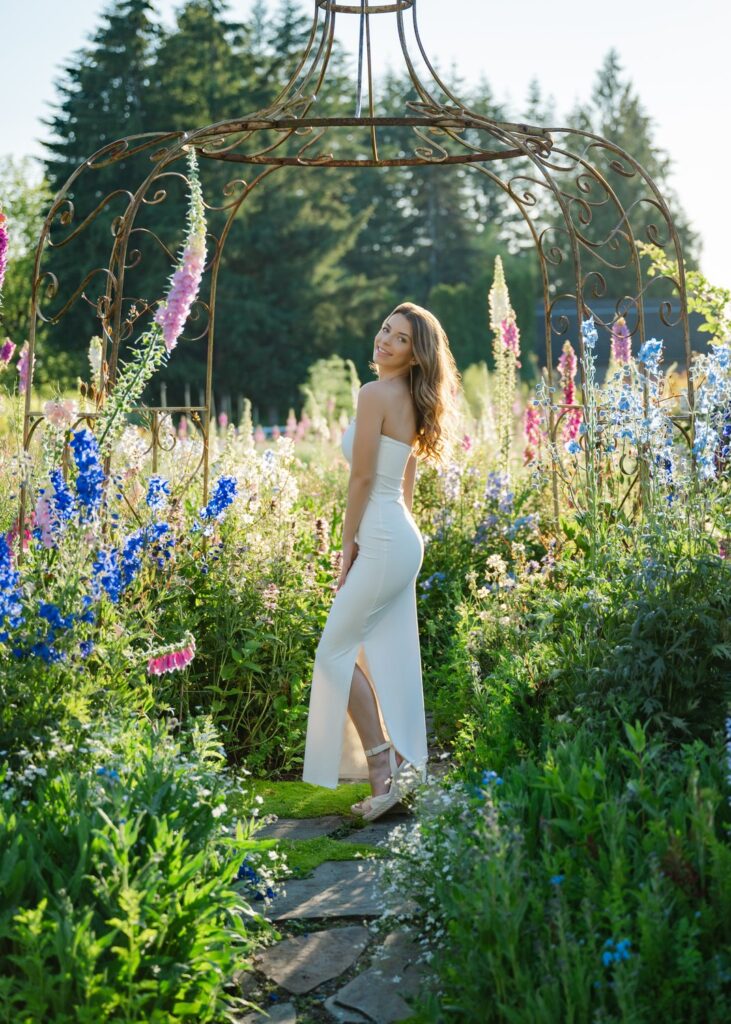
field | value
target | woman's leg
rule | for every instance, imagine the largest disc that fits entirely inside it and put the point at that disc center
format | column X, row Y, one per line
column 363, row 710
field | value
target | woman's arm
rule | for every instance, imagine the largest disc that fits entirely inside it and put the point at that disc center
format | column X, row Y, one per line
column 369, row 419
column 409, row 478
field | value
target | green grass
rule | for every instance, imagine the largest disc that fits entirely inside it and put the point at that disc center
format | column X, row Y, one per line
column 302, row 800
column 304, row 855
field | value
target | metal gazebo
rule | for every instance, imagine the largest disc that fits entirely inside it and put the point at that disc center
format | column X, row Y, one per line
column 557, row 177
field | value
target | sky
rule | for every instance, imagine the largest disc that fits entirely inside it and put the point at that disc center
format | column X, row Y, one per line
column 674, row 52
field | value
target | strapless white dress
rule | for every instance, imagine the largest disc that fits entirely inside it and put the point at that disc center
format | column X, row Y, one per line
column 372, row 622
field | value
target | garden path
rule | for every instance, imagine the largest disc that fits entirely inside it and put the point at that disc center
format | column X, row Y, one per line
column 343, row 956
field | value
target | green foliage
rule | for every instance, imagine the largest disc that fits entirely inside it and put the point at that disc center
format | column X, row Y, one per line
column 118, row 854
column 591, row 884
column 331, row 388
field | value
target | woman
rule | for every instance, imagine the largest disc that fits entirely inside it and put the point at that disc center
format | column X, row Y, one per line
column 368, row 660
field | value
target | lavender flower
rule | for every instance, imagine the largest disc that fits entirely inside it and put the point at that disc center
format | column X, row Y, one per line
column 6, row 352
column 25, row 370
column 621, row 341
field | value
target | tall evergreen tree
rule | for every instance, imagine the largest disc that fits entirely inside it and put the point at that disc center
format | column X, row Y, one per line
column 103, row 92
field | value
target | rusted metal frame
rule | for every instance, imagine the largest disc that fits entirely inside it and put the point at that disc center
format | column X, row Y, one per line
column 390, row 8
column 550, row 186
column 371, row 101
column 609, row 196
column 680, row 284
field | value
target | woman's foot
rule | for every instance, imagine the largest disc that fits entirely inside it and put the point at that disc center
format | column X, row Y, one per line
column 379, row 774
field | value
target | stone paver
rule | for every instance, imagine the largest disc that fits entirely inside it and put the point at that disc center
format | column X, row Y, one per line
column 302, row 963
column 301, row 828
column 377, row 831
column 377, row 994
column 335, row 889
column 343, row 1015
column 279, row 1013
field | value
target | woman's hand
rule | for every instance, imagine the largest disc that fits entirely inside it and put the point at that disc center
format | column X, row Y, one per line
column 350, row 553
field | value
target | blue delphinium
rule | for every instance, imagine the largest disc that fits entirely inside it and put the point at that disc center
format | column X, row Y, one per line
column 90, row 476
column 11, row 609
column 158, row 492
column 107, row 574
column 53, row 615
column 224, row 492
column 62, row 500
column 650, row 354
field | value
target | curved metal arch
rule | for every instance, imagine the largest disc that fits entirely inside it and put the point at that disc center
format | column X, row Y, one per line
column 438, row 125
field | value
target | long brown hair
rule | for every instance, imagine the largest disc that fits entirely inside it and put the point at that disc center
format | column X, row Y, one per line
column 435, row 384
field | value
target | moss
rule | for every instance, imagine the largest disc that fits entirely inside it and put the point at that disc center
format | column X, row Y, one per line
column 304, row 855
column 302, row 800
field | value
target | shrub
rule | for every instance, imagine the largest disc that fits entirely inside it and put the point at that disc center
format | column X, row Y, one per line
column 593, row 886
column 118, row 854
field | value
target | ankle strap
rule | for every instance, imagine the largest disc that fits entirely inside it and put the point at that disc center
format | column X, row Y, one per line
column 377, row 750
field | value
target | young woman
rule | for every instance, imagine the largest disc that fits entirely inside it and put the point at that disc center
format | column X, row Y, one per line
column 368, row 661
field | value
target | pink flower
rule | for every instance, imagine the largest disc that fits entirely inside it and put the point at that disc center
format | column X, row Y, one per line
column 25, row 371
column 3, row 247
column 61, row 414
column 170, row 661
column 467, row 442
column 183, row 427
column 259, row 435
column 567, row 368
column 6, row 352
column 173, row 313
column 511, row 337
column 222, row 420
column 621, row 341
column 532, row 430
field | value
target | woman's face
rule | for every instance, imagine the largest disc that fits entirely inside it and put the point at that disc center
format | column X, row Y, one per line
column 393, row 345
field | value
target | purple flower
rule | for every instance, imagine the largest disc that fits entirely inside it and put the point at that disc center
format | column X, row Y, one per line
column 3, row 247
column 621, row 341
column 25, row 370
column 6, row 351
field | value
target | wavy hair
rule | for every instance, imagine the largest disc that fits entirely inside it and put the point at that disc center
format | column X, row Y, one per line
column 435, row 384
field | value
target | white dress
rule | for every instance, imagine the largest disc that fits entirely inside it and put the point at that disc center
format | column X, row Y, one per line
column 372, row 621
